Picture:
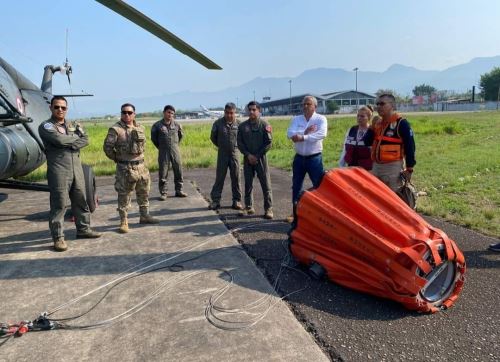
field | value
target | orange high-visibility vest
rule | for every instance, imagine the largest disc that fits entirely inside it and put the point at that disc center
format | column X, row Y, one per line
column 387, row 146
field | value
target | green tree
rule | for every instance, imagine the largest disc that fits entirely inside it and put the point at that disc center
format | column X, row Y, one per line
column 331, row 106
column 490, row 84
column 423, row 90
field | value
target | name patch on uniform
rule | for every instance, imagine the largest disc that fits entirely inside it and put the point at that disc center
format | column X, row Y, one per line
column 48, row 125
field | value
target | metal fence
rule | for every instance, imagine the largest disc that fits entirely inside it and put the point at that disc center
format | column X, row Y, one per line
column 449, row 107
column 484, row 106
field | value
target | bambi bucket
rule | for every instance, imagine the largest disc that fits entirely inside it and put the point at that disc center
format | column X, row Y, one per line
column 364, row 237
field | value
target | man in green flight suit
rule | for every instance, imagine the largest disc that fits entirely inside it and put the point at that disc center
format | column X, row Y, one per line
column 166, row 135
column 254, row 140
column 125, row 144
column 224, row 136
column 62, row 141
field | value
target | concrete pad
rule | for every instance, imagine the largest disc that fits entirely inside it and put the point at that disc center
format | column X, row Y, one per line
column 34, row 279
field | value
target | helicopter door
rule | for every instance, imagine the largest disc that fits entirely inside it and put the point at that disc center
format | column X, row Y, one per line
column 37, row 108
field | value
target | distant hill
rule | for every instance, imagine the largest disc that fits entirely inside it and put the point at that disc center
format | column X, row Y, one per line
column 399, row 77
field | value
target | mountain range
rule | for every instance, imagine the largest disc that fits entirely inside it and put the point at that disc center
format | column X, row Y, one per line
column 397, row 77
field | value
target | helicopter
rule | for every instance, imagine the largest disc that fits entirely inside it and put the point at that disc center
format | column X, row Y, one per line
column 24, row 106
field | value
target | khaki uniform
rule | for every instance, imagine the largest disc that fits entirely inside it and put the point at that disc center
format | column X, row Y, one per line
column 166, row 138
column 225, row 136
column 65, row 175
column 255, row 138
column 125, row 144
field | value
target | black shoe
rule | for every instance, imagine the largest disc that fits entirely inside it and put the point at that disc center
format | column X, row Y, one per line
column 214, row 206
column 494, row 247
column 89, row 234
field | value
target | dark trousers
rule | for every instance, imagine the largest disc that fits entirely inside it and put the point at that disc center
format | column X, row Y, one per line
column 225, row 161
column 64, row 190
column 262, row 171
column 302, row 165
column 165, row 159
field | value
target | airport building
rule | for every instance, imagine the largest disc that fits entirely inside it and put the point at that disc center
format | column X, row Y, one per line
column 347, row 102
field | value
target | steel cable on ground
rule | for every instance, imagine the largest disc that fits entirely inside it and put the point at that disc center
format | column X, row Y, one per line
column 226, row 324
column 173, row 267
column 211, row 308
column 209, row 313
column 130, row 271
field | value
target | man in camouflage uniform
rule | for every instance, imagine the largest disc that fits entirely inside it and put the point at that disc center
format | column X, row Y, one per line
column 63, row 141
column 254, row 140
column 125, row 144
column 166, row 135
column 224, row 136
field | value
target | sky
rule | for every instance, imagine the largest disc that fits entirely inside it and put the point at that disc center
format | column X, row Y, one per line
column 112, row 58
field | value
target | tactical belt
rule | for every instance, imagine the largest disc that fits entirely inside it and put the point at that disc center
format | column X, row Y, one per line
column 133, row 163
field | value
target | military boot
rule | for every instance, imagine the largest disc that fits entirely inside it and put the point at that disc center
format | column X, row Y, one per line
column 269, row 214
column 145, row 218
column 88, row 234
column 237, row 205
column 60, row 244
column 123, row 223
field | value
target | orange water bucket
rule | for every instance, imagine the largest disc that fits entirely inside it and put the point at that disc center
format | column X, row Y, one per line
column 363, row 236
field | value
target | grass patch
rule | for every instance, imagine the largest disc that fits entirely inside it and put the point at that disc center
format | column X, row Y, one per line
column 458, row 160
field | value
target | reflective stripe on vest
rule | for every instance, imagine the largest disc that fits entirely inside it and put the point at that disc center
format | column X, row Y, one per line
column 392, row 151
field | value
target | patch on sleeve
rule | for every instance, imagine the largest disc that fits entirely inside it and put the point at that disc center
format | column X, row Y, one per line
column 111, row 137
column 48, row 125
column 269, row 129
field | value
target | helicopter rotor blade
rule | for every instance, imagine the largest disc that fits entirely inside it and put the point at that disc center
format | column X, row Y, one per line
column 156, row 29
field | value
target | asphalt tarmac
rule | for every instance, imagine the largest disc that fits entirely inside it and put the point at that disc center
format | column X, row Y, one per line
column 351, row 326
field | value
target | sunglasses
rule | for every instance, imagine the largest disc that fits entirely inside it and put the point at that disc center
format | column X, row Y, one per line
column 129, row 113
column 60, row 107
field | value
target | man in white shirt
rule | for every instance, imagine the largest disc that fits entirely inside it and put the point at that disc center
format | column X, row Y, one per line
column 307, row 132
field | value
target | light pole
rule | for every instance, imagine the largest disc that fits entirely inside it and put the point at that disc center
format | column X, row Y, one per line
column 290, row 81
column 357, row 96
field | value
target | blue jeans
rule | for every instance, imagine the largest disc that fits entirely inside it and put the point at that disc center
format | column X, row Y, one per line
column 302, row 165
